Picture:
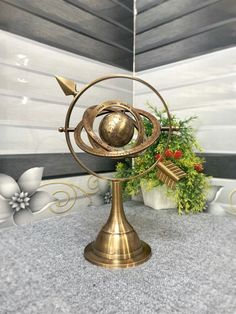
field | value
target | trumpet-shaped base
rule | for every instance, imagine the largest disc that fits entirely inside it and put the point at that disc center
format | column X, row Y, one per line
column 117, row 244
column 117, row 261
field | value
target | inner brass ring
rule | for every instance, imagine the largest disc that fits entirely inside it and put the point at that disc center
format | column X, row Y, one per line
column 110, row 110
column 89, row 117
column 71, row 107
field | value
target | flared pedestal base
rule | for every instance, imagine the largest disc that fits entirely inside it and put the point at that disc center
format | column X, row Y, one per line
column 117, row 261
column 117, row 245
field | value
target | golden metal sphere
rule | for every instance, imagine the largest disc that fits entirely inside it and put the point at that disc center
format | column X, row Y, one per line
column 116, row 129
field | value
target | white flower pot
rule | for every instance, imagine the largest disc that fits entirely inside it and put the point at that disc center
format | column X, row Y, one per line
column 156, row 198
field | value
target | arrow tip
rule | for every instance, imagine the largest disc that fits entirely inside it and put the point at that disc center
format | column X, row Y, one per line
column 68, row 86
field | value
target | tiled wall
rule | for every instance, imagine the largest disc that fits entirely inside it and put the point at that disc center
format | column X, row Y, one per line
column 33, row 106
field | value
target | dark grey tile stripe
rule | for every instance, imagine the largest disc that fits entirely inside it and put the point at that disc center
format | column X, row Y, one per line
column 144, row 5
column 113, row 16
column 175, row 30
column 127, row 4
column 56, row 165
column 190, row 25
column 63, row 165
column 168, row 11
column 212, row 40
column 220, row 165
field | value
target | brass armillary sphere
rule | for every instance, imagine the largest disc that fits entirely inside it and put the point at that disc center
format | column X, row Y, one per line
column 117, row 244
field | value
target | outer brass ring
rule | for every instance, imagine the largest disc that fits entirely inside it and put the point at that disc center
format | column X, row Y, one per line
column 71, row 107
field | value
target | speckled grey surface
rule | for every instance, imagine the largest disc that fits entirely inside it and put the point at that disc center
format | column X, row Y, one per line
column 192, row 270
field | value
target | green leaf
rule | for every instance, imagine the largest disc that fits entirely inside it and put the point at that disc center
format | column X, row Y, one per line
column 190, row 192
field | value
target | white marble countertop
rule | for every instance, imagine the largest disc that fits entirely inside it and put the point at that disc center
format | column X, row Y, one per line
column 192, row 269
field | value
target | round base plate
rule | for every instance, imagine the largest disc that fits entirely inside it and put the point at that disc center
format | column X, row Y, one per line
column 117, row 263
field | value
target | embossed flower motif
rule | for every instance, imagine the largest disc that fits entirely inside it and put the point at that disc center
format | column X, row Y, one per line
column 21, row 199
column 107, row 197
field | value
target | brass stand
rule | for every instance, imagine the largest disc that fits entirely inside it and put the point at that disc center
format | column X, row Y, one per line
column 117, row 244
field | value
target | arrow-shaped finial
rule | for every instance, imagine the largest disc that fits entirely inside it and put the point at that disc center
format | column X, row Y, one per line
column 68, row 86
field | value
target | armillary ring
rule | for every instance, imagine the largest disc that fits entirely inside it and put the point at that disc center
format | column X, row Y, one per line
column 103, row 149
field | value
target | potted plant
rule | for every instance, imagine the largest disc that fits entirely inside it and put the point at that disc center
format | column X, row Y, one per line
column 190, row 193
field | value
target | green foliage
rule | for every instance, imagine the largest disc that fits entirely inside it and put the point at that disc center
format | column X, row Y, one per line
column 190, row 192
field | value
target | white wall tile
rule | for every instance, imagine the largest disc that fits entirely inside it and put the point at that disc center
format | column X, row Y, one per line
column 207, row 67
column 204, row 86
column 36, row 57
column 33, row 106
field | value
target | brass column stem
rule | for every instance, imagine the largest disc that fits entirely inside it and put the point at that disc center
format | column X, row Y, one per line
column 117, row 222
column 117, row 208
column 117, row 244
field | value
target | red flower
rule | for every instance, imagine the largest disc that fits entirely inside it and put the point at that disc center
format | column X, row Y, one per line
column 178, row 154
column 168, row 153
column 158, row 157
column 198, row 167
